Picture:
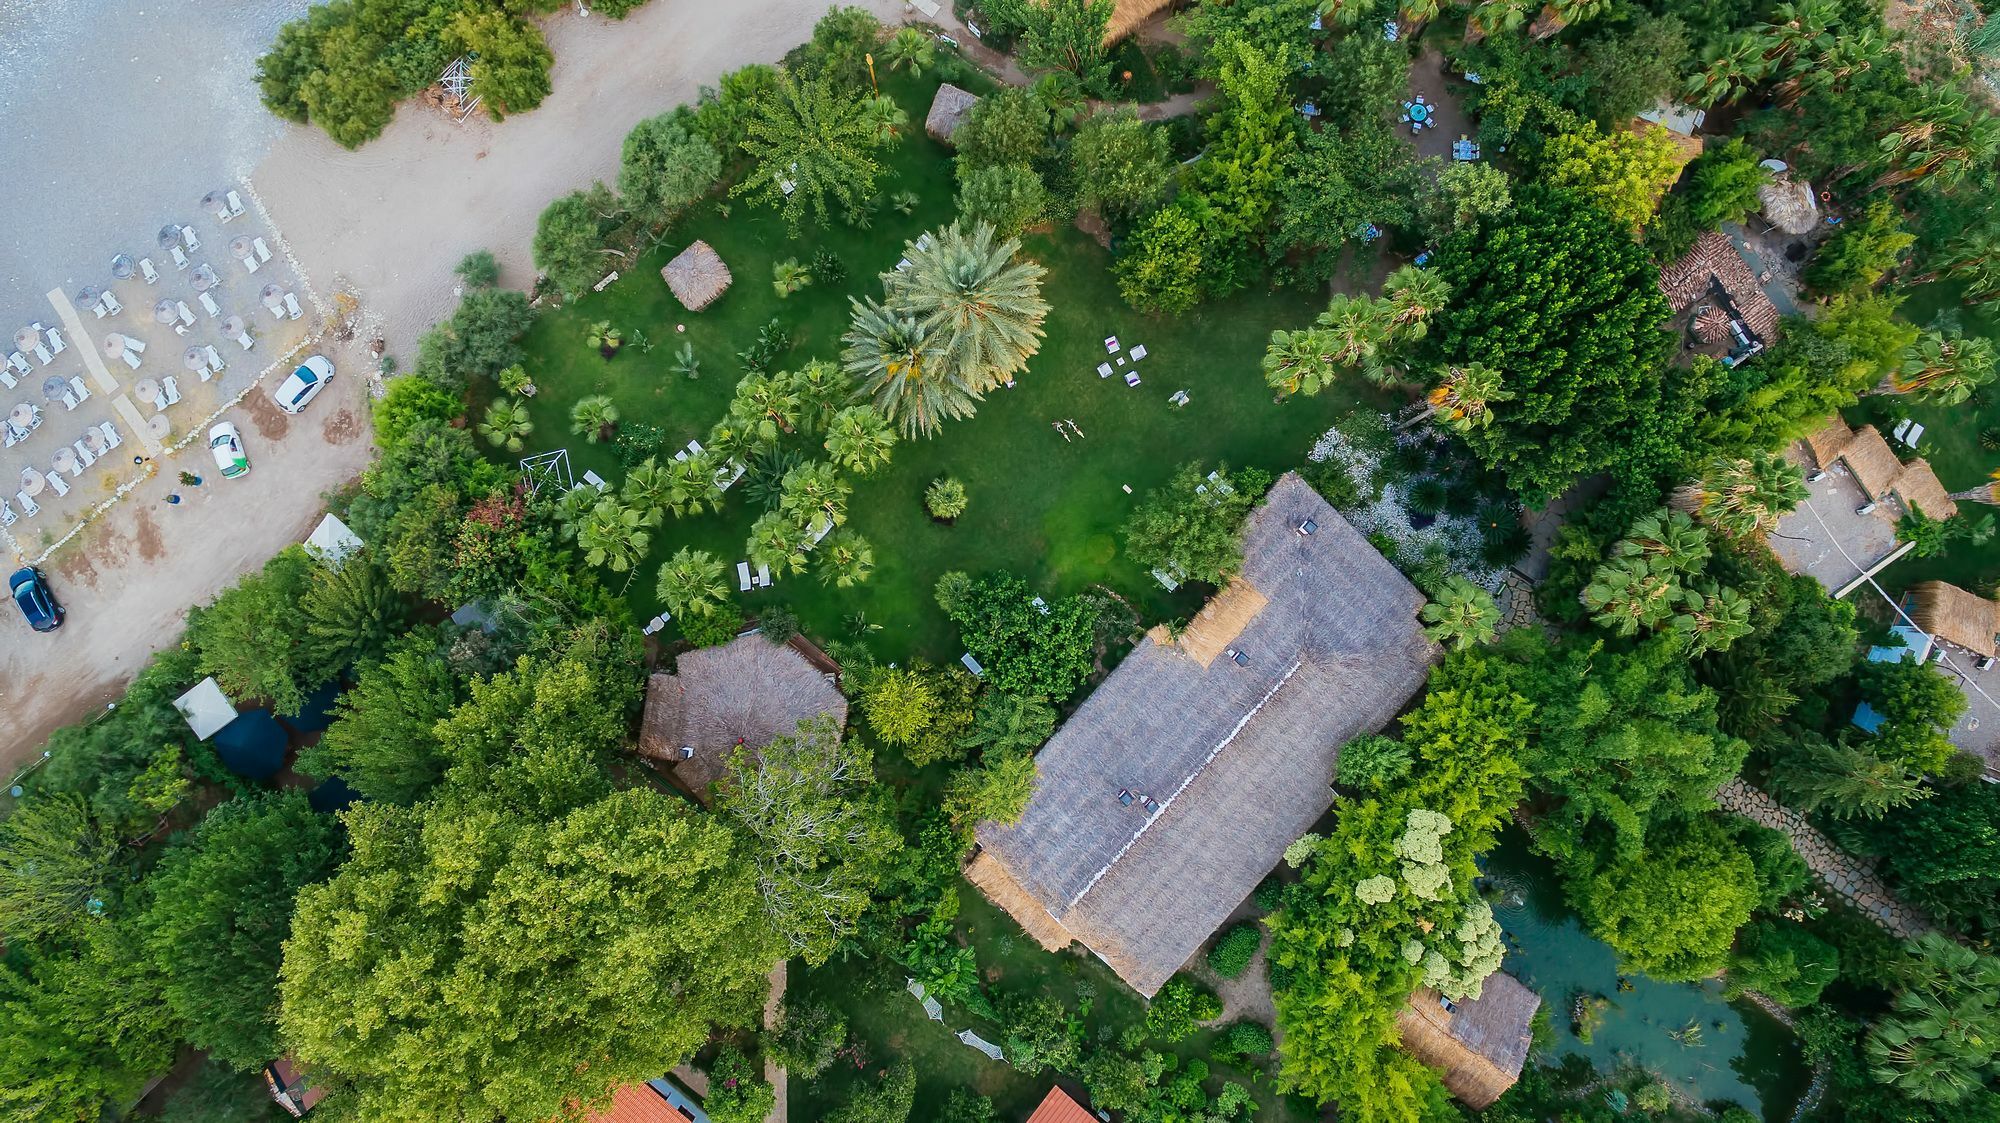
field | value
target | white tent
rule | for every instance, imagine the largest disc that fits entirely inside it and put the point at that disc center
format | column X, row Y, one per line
column 332, row 543
column 206, row 708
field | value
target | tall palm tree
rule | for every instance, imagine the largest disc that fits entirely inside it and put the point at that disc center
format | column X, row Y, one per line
column 900, row 368
column 788, row 277
column 778, row 542
column 691, row 484
column 1358, row 326
column 1415, row 295
column 1490, row 17
column 978, row 309
column 1743, row 496
column 1464, row 397
column 1630, row 593
column 692, row 583
column 813, row 489
column 910, row 49
column 1669, row 537
column 1462, row 615
column 1415, row 14
column 649, row 490
column 1558, row 14
column 766, row 405
column 846, row 560
column 1734, row 67
column 1938, row 1040
column 1300, row 362
column 1947, row 139
column 1714, row 619
column 506, row 424
column 612, row 535
column 859, row 439
column 1972, row 259
column 822, row 388
column 594, row 418
column 1945, row 369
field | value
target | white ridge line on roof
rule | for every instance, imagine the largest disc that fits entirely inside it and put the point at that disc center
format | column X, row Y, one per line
column 1198, row 769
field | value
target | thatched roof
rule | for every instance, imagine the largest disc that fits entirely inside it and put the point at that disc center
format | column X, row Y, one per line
column 1220, row 621
column 1955, row 616
column 697, row 276
column 1715, row 260
column 1829, row 441
column 1477, row 1047
column 1788, row 204
column 1057, row 1107
column 1872, row 461
column 948, row 108
column 1236, row 758
column 748, row 691
column 1920, row 487
column 1127, row 15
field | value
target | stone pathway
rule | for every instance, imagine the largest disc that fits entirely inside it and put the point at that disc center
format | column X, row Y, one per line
column 1846, row 875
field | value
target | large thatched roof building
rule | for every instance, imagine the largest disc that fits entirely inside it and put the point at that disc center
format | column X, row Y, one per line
column 697, row 276
column 1178, row 784
column 747, row 692
column 1477, row 1045
column 1955, row 616
column 1878, row 470
column 948, row 109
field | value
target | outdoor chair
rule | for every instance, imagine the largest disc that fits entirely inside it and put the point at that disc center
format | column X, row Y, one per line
column 70, row 400
column 235, row 202
column 82, row 391
column 83, row 453
column 180, row 259
column 249, row 262
column 110, row 303
column 147, row 271
column 187, row 235
column 7, row 515
column 209, row 305
column 263, row 251
column 292, row 306
column 56, row 342
column 170, row 391
column 1138, row 352
column 1104, row 370
column 56, row 483
column 27, row 503
column 110, row 432
column 1131, row 379
column 7, row 378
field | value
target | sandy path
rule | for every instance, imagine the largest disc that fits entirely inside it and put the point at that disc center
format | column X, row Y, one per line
column 391, row 220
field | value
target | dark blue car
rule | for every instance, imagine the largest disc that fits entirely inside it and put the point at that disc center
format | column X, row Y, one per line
column 37, row 603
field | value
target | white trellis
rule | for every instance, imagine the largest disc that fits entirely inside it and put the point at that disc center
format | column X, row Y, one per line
column 456, row 82
column 548, row 467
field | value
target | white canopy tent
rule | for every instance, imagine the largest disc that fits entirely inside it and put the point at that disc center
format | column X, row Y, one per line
column 332, row 543
column 206, row 708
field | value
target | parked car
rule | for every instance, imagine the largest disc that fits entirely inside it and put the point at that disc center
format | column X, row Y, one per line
column 304, row 384
column 36, row 601
column 227, row 446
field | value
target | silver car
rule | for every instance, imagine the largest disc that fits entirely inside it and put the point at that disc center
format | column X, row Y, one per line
column 304, row 384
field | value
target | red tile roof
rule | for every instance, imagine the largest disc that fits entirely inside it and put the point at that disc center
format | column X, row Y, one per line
column 1059, row 1108
column 637, row 1103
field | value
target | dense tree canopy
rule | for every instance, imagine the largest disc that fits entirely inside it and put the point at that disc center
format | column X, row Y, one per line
column 1194, row 524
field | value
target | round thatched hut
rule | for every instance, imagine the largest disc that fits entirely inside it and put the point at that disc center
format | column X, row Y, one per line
column 1788, row 204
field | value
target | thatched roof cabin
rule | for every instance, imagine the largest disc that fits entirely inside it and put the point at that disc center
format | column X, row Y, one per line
column 697, row 276
column 1713, row 261
column 1477, row 1045
column 1955, row 616
column 948, row 108
column 1788, row 204
column 1878, row 470
column 748, row 692
column 1178, row 784
column 1127, row 15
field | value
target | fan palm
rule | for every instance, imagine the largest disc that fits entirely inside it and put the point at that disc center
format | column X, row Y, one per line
column 612, row 535
column 778, row 542
column 1939, row 1038
column 1731, row 70
column 1300, row 362
column 506, row 424
column 1061, row 96
column 1558, row 14
column 1743, row 496
column 1630, row 593
column 1415, row 295
column 910, row 49
column 814, row 489
column 1947, row 139
column 1357, row 328
column 1011, row 722
column 1714, row 619
column 351, row 613
column 884, row 117
column 788, row 277
column 1973, row 260
column 1670, row 537
column 1489, row 17
column 571, row 508
column 692, row 583
column 1416, row 13
column 859, row 439
column 685, row 362
column 846, row 560
column 594, row 418
column 1464, row 397
column 901, row 371
column 821, row 388
column 649, row 490
column 765, row 406
column 979, row 311
column 1945, row 369
column 690, row 484
column 1462, row 615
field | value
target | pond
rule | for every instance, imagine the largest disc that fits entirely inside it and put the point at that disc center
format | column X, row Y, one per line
column 1735, row 1052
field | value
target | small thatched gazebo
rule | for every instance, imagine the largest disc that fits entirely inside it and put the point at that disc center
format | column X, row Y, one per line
column 1477, row 1045
column 1788, row 204
column 1955, row 616
column 948, row 109
column 1878, row 470
column 747, row 692
column 697, row 276
column 1920, row 488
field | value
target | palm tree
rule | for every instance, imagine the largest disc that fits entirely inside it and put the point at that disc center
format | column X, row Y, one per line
column 788, row 277
column 1945, row 369
column 1670, row 537
column 910, row 48
column 1558, row 14
column 814, row 489
column 1946, row 140
column 821, row 388
column 1010, row 722
column 691, row 486
column 1973, row 260
column 1300, row 362
column 884, row 117
column 1061, row 96
column 1988, row 493
column 685, row 362
column 1743, row 496
column 1415, row 295
column 1936, row 1042
column 946, row 499
column 1464, row 397
column 1630, row 593
column 979, row 311
column 506, row 424
column 1415, row 14
column 594, row 418
column 1348, row 13
column 1358, row 327
column 692, row 583
column 612, row 535
column 901, row 370
column 814, row 149
column 649, row 490
column 572, row 507
column 778, row 542
column 1492, row 16
column 1462, row 615
column 846, row 560
column 1731, row 70
column 1715, row 619
column 859, row 439
column 765, row 406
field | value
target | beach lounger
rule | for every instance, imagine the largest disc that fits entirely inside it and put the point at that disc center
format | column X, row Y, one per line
column 1111, row 345
column 57, row 343
column 235, row 204
column 135, row 345
column 11, row 435
column 292, row 306
column 244, row 341
column 147, row 271
column 170, row 391
column 187, row 235
column 742, row 577
column 209, row 305
column 595, row 480
column 110, row 432
column 972, row 664
column 1138, row 352
column 726, row 477
column 7, row 515
column 1131, row 379
column 69, row 399
column 19, row 362
column 681, row 455
column 764, row 576
column 42, row 353
column 1104, row 370
column 110, row 303
column 57, row 484
column 98, row 308
column 82, row 391
column 263, row 251
column 214, row 358
column 83, row 453
column 249, row 261
column 924, row 241
column 695, row 447
column 7, row 378
column 186, row 313
column 27, row 503
column 180, row 259
column 131, row 359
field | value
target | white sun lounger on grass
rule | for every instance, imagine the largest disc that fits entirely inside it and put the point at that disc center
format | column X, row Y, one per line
column 743, row 577
column 764, row 576
column 595, row 480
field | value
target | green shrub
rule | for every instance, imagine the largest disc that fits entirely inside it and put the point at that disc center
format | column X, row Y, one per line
column 1242, row 1041
column 1372, row 761
column 1270, row 893
column 1232, row 953
column 711, row 629
column 1179, row 1009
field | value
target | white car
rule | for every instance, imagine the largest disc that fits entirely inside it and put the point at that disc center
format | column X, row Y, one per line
column 226, row 445
column 304, row 384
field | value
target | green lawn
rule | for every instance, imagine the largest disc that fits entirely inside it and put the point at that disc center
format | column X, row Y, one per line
column 1951, row 441
column 1040, row 506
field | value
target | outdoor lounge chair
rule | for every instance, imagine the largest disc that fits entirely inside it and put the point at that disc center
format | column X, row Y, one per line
column 249, row 261
column 7, row 378
column 131, row 358
column 214, row 358
column 1111, row 345
column 235, row 202
column 19, row 362
column 742, row 577
column 147, row 271
column 42, row 353
column 84, row 454
column 7, row 515
column 244, row 341
column 76, row 383
column 595, row 480
column 263, row 251
column 180, row 259
column 187, row 235
column 292, row 306
column 209, row 305
column 1131, row 378
column 695, row 447
column 57, row 343
column 1138, row 352
column 57, row 484
column 1104, row 370
column 186, row 314
column 69, row 399
column 764, row 576
column 27, row 503
column 170, row 391
column 110, row 303
column 110, row 432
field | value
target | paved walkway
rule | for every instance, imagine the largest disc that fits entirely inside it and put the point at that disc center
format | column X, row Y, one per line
column 1850, row 877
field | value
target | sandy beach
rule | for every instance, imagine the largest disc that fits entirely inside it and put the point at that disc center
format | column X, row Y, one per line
column 391, row 220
